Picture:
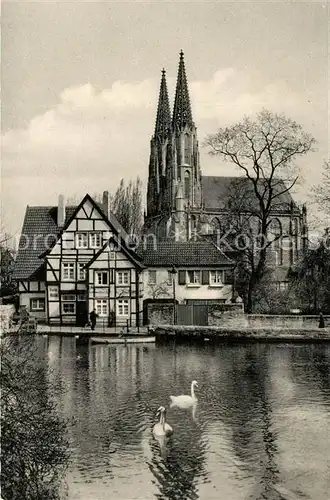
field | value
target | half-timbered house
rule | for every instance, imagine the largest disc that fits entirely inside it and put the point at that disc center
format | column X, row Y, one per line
column 72, row 260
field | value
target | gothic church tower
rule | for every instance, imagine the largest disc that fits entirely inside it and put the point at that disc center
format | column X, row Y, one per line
column 174, row 194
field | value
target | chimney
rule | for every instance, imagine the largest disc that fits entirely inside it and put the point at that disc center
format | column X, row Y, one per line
column 106, row 203
column 61, row 211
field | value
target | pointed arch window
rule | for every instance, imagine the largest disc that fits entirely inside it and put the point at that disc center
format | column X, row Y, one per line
column 276, row 247
column 187, row 184
column 216, row 226
column 187, row 149
column 193, row 226
column 296, row 239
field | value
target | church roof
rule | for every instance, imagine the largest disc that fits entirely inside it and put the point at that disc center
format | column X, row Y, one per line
column 183, row 254
column 218, row 192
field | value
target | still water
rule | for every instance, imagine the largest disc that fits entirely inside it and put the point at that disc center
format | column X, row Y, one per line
column 260, row 429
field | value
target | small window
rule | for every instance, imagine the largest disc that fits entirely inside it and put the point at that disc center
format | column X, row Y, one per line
column 95, row 240
column 68, row 297
column 282, row 286
column 101, row 306
column 81, row 271
column 68, row 307
column 81, row 240
column 194, row 277
column 81, row 297
column 53, row 292
column 216, row 277
column 123, row 278
column 122, row 307
column 102, row 278
column 37, row 305
column 152, row 277
column 112, row 255
column 68, row 271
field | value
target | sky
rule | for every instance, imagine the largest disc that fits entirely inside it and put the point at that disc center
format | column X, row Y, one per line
column 80, row 83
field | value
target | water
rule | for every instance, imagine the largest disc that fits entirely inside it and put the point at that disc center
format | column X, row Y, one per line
column 260, row 429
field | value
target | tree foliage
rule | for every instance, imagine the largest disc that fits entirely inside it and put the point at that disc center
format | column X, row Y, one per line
column 322, row 191
column 264, row 152
column 310, row 278
column 34, row 444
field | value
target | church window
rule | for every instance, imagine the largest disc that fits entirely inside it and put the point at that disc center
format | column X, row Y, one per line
column 187, row 149
column 187, row 184
column 296, row 239
column 215, row 223
column 276, row 233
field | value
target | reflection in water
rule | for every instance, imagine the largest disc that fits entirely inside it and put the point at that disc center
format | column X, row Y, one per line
column 260, row 409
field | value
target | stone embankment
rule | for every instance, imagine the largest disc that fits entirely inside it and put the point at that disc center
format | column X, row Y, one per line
column 165, row 333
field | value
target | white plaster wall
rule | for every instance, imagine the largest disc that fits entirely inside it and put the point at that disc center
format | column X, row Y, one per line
column 182, row 292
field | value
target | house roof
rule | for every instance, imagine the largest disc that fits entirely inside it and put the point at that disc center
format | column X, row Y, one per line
column 218, row 193
column 39, row 233
column 183, row 254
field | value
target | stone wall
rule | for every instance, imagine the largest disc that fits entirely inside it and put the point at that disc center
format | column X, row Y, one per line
column 160, row 314
column 212, row 334
column 6, row 314
column 229, row 315
column 232, row 316
column 285, row 321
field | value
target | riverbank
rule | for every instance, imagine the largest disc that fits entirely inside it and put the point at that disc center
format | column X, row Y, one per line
column 213, row 334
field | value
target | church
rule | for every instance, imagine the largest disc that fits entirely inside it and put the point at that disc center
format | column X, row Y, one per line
column 183, row 204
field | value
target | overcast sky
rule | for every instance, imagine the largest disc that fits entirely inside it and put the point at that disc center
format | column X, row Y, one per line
column 80, row 85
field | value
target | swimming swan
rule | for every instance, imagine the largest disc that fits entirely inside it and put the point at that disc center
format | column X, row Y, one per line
column 185, row 401
column 162, row 428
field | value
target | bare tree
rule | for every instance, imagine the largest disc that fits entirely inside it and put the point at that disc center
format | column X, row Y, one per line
column 159, row 290
column 264, row 151
column 126, row 205
column 322, row 191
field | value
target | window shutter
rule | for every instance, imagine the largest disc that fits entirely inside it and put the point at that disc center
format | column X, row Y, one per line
column 182, row 277
column 205, row 277
column 228, row 277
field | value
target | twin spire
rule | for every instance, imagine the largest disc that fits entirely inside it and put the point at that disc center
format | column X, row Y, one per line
column 182, row 115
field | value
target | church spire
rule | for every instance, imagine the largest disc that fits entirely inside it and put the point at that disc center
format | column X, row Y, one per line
column 163, row 119
column 182, row 111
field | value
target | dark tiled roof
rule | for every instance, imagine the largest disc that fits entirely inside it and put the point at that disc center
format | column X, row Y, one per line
column 39, row 232
column 219, row 191
column 183, row 254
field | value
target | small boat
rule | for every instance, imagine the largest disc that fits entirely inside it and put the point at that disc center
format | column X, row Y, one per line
column 123, row 340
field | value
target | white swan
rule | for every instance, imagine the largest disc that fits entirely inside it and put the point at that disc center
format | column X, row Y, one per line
column 185, row 401
column 162, row 428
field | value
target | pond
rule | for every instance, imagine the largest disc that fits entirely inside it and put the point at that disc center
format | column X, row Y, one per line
column 260, row 429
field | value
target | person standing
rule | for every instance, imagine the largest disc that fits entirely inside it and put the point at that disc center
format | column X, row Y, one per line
column 92, row 318
column 321, row 321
